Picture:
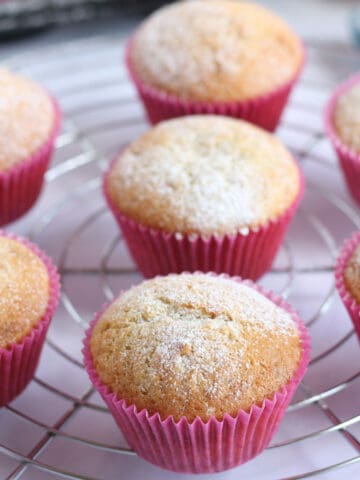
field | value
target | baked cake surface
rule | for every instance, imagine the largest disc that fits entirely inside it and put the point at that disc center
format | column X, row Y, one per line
column 26, row 118
column 347, row 118
column 352, row 274
column 204, row 174
column 219, row 50
column 194, row 345
column 24, row 290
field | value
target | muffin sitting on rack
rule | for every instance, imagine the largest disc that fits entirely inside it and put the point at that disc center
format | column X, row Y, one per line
column 206, row 193
column 223, row 57
column 347, row 274
column 29, row 123
column 197, row 369
column 342, row 122
column 29, row 291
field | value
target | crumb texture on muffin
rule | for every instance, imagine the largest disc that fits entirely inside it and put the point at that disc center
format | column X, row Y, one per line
column 194, row 345
column 347, row 118
column 220, row 50
column 352, row 274
column 24, row 290
column 26, row 118
column 204, row 175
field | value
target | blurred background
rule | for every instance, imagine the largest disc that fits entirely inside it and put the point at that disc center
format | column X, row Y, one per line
column 25, row 23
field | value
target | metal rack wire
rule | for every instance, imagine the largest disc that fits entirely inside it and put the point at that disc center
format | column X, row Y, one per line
column 59, row 427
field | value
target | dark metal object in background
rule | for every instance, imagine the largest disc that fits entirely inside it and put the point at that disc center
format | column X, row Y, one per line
column 355, row 25
column 22, row 16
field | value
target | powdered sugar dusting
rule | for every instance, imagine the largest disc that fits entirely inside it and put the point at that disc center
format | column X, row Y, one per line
column 347, row 117
column 24, row 290
column 26, row 118
column 209, row 343
column 204, row 174
column 218, row 50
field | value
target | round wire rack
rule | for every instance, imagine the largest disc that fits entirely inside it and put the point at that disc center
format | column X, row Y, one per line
column 59, row 427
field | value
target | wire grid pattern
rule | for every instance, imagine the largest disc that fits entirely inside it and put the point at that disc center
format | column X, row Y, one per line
column 59, row 427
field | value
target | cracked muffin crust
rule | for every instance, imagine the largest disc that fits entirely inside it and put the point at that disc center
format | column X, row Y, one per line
column 204, row 175
column 194, row 345
column 24, row 290
column 215, row 51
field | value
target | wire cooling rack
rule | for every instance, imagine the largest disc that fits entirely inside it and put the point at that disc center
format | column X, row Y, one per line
column 59, row 427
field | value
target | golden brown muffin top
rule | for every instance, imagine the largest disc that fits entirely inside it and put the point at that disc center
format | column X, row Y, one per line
column 352, row 274
column 194, row 345
column 347, row 118
column 24, row 290
column 26, row 118
column 220, row 50
column 204, row 174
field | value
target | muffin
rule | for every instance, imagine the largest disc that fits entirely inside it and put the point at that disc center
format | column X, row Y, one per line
column 342, row 124
column 29, row 122
column 205, row 193
column 347, row 274
column 29, row 290
column 223, row 57
column 197, row 369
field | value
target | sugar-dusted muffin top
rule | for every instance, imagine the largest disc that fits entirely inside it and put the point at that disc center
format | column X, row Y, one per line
column 24, row 290
column 347, row 118
column 352, row 274
column 205, row 175
column 194, row 345
column 26, row 118
column 220, row 50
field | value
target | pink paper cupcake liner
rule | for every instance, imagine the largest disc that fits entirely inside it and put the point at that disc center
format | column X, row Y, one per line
column 20, row 186
column 248, row 255
column 349, row 160
column 18, row 362
column 348, row 300
column 264, row 110
column 202, row 447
